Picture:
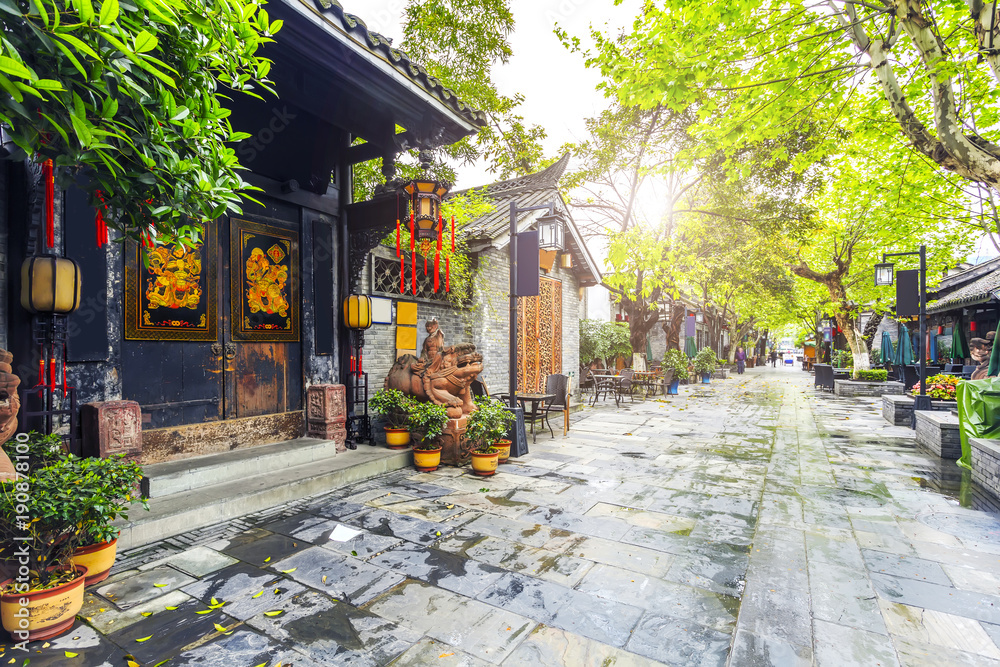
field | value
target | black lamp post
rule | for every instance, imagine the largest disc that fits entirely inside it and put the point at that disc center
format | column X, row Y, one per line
column 884, row 277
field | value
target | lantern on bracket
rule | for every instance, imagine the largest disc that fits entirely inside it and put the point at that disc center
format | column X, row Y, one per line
column 551, row 234
column 426, row 222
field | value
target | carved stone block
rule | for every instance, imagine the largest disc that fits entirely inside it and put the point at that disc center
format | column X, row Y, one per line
column 455, row 449
column 334, row 431
column 112, row 427
column 327, row 402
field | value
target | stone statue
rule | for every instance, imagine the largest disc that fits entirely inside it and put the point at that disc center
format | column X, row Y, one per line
column 980, row 350
column 10, row 403
column 442, row 375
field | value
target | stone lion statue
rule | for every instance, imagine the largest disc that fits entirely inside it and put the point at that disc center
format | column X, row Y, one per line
column 10, row 403
column 441, row 375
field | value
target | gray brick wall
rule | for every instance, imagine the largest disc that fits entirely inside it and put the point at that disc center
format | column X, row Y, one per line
column 484, row 323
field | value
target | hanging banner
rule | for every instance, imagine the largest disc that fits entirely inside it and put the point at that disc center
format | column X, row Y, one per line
column 264, row 292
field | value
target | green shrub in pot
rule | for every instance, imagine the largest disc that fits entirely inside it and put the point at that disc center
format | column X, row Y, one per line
column 427, row 422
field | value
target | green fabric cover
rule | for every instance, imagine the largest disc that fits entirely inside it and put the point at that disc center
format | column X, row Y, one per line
column 887, row 348
column 904, row 349
column 994, row 368
column 690, row 348
column 978, row 413
column 959, row 348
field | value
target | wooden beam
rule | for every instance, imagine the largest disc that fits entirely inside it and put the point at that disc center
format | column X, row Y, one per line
column 370, row 150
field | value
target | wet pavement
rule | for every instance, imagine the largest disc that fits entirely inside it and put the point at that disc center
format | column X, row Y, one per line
column 752, row 521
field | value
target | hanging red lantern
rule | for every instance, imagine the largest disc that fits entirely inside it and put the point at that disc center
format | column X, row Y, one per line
column 972, row 325
column 426, row 222
column 940, row 330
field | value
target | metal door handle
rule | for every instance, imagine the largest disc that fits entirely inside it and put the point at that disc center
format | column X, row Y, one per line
column 216, row 349
column 230, row 351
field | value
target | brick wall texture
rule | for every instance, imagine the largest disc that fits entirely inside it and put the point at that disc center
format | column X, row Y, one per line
column 484, row 322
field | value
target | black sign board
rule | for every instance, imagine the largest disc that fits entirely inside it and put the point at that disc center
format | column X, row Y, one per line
column 518, row 436
column 527, row 264
column 907, row 293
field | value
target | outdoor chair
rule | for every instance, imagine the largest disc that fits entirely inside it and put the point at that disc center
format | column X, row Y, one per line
column 602, row 387
column 586, row 379
column 953, row 368
column 824, row 376
column 559, row 385
column 911, row 376
column 479, row 389
column 967, row 371
column 623, row 386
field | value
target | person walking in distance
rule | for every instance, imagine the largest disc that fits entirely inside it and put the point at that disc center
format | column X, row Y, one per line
column 741, row 360
column 774, row 358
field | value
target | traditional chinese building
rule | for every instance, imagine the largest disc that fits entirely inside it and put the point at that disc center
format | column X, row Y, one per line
column 218, row 345
column 548, row 324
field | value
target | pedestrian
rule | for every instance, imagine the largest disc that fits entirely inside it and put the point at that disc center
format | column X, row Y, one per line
column 741, row 360
column 774, row 358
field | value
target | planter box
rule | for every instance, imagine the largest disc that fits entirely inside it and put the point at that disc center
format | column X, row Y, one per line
column 986, row 464
column 720, row 374
column 860, row 388
column 938, row 433
column 897, row 409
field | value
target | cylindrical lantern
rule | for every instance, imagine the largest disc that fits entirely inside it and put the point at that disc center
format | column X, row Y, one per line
column 50, row 284
column 426, row 195
column 940, row 330
column 972, row 325
column 358, row 311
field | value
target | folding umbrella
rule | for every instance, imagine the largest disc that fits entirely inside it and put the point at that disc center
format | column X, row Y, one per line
column 689, row 347
column 904, row 350
column 888, row 350
column 959, row 348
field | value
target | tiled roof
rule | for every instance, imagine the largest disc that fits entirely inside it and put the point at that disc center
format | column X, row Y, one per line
column 535, row 189
column 381, row 47
column 978, row 291
column 950, row 283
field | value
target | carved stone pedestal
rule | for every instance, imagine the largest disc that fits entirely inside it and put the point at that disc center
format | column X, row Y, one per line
column 326, row 413
column 455, row 450
column 112, row 427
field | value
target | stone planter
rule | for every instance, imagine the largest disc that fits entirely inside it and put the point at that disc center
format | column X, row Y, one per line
column 897, row 409
column 938, row 433
column 986, row 464
column 849, row 388
column 484, row 465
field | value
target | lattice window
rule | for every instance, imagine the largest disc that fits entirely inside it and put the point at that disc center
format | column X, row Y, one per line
column 385, row 279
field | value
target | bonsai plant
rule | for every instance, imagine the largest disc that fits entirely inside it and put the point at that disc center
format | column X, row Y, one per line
column 40, row 449
column 427, row 422
column 675, row 362
column 108, row 487
column 394, row 406
column 43, row 598
column 487, row 429
column 704, row 363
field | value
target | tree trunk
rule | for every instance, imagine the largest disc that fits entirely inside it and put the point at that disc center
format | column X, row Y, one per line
column 859, row 350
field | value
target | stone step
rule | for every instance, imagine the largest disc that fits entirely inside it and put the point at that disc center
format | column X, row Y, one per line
column 172, row 477
column 204, row 505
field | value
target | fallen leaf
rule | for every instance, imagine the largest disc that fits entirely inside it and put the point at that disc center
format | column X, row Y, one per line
column 171, row 608
column 46, row 645
column 445, row 655
column 204, row 611
column 220, row 628
column 354, row 553
column 132, row 663
column 159, row 585
column 70, row 654
column 258, row 594
column 450, row 507
column 289, row 571
column 274, row 613
column 324, row 578
column 277, row 590
column 267, row 560
column 214, row 601
column 146, row 613
column 144, row 639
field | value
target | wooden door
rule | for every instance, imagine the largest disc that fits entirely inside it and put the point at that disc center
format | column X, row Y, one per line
column 539, row 332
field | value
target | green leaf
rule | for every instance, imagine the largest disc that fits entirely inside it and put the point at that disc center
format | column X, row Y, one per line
column 109, row 12
column 86, row 9
column 14, row 68
column 144, row 42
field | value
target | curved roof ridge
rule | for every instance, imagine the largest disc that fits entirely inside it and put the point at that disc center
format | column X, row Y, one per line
column 546, row 178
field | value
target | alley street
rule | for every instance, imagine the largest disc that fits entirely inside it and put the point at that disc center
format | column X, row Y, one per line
column 752, row 521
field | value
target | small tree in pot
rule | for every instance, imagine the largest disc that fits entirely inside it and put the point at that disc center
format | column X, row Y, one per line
column 704, row 363
column 487, row 426
column 675, row 363
column 427, row 422
column 394, row 406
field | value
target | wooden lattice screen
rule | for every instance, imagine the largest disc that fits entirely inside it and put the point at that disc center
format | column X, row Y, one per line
column 539, row 330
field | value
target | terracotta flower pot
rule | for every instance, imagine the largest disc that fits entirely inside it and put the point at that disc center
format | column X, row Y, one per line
column 98, row 559
column 504, row 450
column 50, row 612
column 484, row 465
column 397, row 438
column 426, row 460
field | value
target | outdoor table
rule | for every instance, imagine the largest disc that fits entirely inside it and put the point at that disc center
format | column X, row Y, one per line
column 536, row 400
column 645, row 380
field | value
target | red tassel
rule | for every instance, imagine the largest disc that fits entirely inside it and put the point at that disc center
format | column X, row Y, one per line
column 412, row 237
column 398, row 252
column 64, row 371
column 413, row 273
column 52, row 372
column 447, row 274
column 360, row 372
column 41, row 369
column 50, row 199
column 402, row 274
column 453, row 233
column 437, row 259
column 425, row 265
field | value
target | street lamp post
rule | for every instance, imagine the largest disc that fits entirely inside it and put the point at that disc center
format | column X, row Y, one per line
column 883, row 276
column 512, row 363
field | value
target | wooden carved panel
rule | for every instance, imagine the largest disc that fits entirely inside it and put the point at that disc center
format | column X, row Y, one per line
column 539, row 331
column 264, row 275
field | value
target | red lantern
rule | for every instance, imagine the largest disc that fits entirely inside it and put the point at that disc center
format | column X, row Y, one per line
column 940, row 330
column 972, row 325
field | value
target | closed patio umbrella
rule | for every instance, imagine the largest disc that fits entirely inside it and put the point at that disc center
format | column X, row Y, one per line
column 959, row 348
column 904, row 350
column 932, row 347
column 690, row 349
column 888, row 350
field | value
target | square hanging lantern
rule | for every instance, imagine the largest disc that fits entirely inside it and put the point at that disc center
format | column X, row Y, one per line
column 551, row 234
column 699, row 317
column 883, row 275
column 50, row 285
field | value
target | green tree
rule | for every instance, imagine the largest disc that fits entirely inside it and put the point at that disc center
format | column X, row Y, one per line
column 130, row 97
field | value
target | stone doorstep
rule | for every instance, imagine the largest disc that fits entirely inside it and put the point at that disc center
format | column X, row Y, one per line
column 192, row 473
column 206, row 505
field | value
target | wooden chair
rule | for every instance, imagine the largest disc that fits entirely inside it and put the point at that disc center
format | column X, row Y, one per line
column 557, row 384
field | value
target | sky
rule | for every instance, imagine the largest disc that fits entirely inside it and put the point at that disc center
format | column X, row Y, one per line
column 559, row 91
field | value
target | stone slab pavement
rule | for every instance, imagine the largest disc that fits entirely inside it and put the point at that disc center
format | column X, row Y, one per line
column 751, row 521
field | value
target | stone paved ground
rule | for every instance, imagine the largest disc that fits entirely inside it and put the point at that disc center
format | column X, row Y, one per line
column 753, row 521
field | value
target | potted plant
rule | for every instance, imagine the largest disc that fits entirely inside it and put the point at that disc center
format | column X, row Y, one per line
column 427, row 422
column 941, row 387
column 108, row 486
column 394, row 406
column 42, row 599
column 40, row 449
column 487, row 429
column 704, row 364
column 675, row 362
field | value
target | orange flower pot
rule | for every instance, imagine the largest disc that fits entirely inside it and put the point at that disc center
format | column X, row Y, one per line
column 503, row 448
column 98, row 559
column 50, row 612
column 426, row 460
column 484, row 465
column 397, row 438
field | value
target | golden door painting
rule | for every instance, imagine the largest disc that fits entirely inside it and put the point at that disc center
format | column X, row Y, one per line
column 171, row 295
column 264, row 287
